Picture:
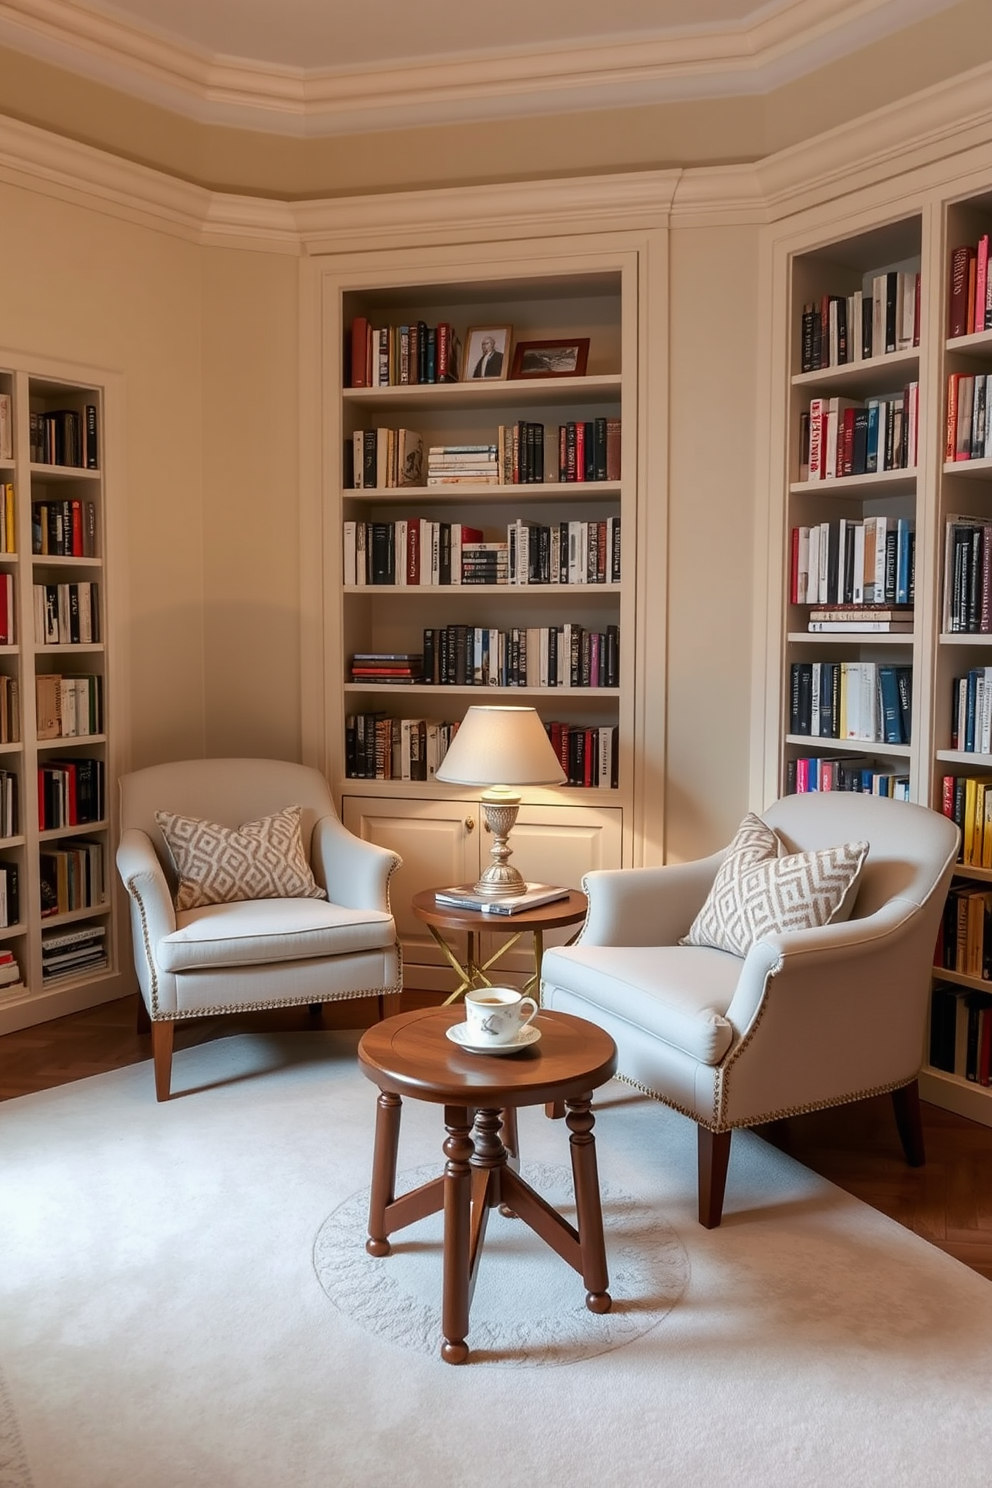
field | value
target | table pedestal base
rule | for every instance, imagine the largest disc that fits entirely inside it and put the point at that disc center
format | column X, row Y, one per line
column 477, row 1177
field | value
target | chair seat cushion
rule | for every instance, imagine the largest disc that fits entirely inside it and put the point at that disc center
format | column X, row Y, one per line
column 256, row 931
column 676, row 993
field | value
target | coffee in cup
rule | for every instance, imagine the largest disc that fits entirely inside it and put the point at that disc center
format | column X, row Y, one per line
column 497, row 1015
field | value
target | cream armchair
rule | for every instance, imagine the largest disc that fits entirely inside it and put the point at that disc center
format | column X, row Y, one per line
column 806, row 1019
column 258, row 953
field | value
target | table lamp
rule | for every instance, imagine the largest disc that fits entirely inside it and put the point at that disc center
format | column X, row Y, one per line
column 508, row 746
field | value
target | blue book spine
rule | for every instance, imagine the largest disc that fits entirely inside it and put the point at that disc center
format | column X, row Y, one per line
column 871, row 440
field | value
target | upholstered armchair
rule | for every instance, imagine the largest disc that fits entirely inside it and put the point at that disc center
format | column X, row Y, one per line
column 294, row 911
column 805, row 1018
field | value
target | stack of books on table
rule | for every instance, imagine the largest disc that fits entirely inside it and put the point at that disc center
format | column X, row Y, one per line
column 464, row 897
column 463, row 464
column 10, row 975
column 387, row 666
column 883, row 619
column 72, row 952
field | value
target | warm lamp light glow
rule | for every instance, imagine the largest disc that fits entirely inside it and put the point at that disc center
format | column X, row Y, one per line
column 500, row 748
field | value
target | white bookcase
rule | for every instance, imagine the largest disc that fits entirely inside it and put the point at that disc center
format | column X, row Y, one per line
column 60, row 848
column 437, row 828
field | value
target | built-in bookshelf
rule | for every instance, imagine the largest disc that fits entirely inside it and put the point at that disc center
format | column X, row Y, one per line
column 480, row 547
column 887, row 561
column 58, row 934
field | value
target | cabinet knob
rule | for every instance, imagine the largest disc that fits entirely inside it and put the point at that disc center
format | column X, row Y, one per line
column 470, row 824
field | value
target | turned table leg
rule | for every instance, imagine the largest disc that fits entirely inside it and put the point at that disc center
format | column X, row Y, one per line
column 389, row 1109
column 458, row 1149
column 580, row 1122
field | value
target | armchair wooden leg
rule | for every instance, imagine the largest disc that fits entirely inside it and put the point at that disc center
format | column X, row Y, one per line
column 143, row 1022
column 909, row 1122
column 163, row 1038
column 713, row 1153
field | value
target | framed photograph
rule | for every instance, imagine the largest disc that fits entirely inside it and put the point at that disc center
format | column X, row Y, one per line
column 551, row 358
column 487, row 353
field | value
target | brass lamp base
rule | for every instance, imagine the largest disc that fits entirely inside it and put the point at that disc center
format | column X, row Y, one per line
column 500, row 880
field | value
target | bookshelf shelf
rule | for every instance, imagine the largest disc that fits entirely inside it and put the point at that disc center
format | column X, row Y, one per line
column 569, row 392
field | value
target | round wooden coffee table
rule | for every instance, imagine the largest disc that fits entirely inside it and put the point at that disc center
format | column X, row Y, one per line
column 571, row 910
column 410, row 1055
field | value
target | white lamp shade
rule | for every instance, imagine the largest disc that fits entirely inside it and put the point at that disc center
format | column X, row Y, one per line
column 501, row 746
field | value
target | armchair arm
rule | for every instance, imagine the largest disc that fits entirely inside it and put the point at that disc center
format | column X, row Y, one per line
column 646, row 906
column 143, row 877
column 354, row 872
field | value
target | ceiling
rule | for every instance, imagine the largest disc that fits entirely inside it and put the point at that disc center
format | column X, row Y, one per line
column 319, row 67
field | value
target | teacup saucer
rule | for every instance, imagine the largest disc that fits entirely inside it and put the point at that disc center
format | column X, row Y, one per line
column 459, row 1034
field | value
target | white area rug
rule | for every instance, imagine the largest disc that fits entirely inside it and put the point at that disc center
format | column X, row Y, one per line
column 172, row 1314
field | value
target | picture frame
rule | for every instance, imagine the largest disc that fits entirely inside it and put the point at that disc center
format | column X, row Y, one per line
column 482, row 361
column 564, row 358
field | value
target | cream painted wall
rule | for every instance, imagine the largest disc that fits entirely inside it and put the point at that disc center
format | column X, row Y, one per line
column 713, row 318
column 251, row 508
column 80, row 286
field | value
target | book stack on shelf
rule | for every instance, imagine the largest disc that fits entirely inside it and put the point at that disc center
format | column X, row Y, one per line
column 403, row 355
column 463, row 464
column 969, row 307
column 967, row 800
column 588, row 755
column 843, row 772
column 880, row 318
column 67, row 707
column 385, row 459
column 71, row 877
column 70, row 793
column 64, row 529
column 10, row 710
column 843, row 437
column 11, row 981
column 860, row 700
column 65, row 436
column 8, row 803
column 971, row 712
column 66, row 614
column 854, row 561
column 8, row 626
column 387, row 667
column 525, row 656
column 66, row 953
column 961, row 1031
column 967, row 576
column 860, row 620
column 9, row 894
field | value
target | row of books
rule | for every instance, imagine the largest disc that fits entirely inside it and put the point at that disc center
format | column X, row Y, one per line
column 971, row 712
column 66, row 436
column 10, row 911
column 8, row 524
column 66, row 614
column 9, row 805
column 854, row 561
column 588, row 756
column 418, row 551
column 968, row 425
column 961, row 1030
column 378, row 747
column 64, row 529
column 385, row 458
column 967, row 600
column 969, row 290
column 68, row 707
column 967, row 800
column 70, row 792
column 532, row 656
column 397, row 355
column 862, row 700
column 387, row 666
column 843, row 772
column 6, row 426
column 66, row 953
column 71, row 877
column 523, row 453
column 881, row 317
column 10, row 710
column 840, row 436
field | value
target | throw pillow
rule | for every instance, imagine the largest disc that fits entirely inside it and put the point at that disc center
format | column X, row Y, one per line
column 752, row 897
column 754, row 842
column 218, row 865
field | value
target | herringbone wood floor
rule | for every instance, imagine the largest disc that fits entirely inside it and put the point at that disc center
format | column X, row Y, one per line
column 948, row 1202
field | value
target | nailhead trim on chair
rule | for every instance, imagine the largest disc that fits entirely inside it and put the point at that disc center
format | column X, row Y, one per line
column 780, row 1114
column 248, row 1007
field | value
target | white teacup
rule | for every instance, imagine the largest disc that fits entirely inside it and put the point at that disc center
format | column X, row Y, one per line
column 497, row 1015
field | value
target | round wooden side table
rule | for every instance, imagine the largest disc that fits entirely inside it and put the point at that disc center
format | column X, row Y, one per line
column 472, row 972
column 411, row 1055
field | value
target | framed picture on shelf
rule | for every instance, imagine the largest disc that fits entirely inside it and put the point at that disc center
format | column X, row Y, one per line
column 487, row 353
column 551, row 358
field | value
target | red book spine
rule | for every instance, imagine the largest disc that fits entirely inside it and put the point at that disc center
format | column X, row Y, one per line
column 947, row 794
column 957, row 316
column 917, row 309
column 794, row 568
column 981, row 281
column 361, row 344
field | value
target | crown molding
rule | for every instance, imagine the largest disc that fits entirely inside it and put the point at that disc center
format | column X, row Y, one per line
column 778, row 44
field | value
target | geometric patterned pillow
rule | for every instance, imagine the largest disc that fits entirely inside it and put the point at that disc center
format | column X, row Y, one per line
column 754, row 842
column 801, row 891
column 260, row 860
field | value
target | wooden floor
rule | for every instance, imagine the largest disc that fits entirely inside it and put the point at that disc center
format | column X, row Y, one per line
column 948, row 1202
